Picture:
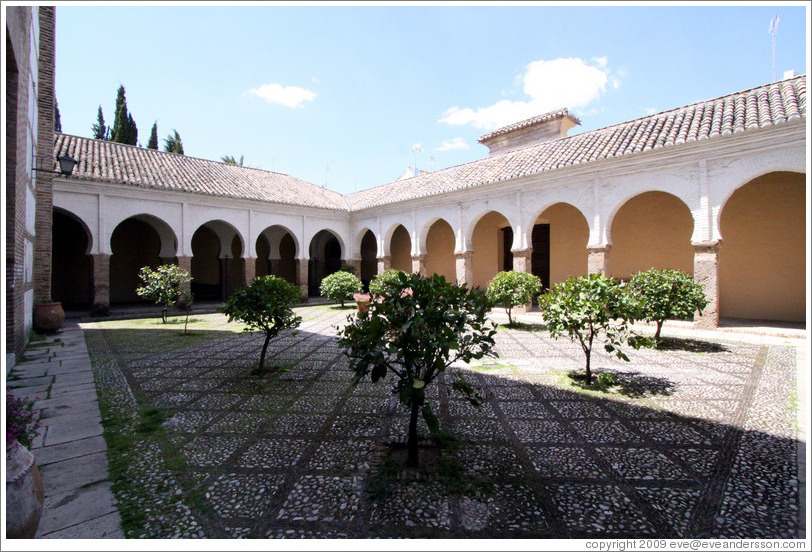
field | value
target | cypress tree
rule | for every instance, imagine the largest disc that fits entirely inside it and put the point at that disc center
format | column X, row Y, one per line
column 124, row 129
column 57, row 118
column 153, row 137
column 100, row 130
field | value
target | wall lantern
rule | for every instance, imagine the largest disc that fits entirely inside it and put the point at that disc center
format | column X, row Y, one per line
column 66, row 164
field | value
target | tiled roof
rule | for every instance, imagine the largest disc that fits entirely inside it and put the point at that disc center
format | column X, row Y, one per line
column 768, row 105
column 529, row 122
column 772, row 104
column 111, row 162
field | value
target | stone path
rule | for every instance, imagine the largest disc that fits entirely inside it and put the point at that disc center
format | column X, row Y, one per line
column 704, row 443
column 70, row 450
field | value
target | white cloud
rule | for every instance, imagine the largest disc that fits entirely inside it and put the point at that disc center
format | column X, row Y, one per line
column 453, row 144
column 564, row 82
column 289, row 96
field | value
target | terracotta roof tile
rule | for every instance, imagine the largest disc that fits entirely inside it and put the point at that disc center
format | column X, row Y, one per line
column 133, row 166
column 760, row 107
column 772, row 104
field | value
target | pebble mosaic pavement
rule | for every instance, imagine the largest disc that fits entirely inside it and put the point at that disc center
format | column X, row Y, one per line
column 703, row 444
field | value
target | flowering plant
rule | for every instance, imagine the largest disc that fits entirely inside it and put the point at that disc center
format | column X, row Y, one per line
column 361, row 297
column 20, row 425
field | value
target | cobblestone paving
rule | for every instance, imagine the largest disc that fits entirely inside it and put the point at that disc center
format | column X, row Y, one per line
column 701, row 442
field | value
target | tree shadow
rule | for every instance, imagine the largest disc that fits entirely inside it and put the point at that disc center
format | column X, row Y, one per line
column 628, row 384
column 690, row 345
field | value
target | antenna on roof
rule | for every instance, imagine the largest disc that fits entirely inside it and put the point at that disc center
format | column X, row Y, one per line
column 774, row 31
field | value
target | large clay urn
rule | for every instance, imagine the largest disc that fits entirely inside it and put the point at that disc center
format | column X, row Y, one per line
column 24, row 493
column 48, row 316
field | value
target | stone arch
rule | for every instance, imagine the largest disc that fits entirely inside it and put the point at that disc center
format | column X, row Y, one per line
column 491, row 239
column 277, row 249
column 136, row 242
column 217, row 266
column 652, row 229
column 398, row 246
column 762, row 257
column 559, row 237
column 325, row 253
column 438, row 242
column 368, row 250
column 71, row 264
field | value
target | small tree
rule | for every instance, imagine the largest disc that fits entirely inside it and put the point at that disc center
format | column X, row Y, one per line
column 512, row 289
column 231, row 160
column 587, row 306
column 152, row 143
column 666, row 294
column 266, row 304
column 100, row 130
column 341, row 286
column 415, row 333
column 173, row 143
column 382, row 283
column 165, row 285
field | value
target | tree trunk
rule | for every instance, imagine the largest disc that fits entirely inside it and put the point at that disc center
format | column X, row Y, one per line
column 657, row 333
column 262, row 356
column 411, row 460
column 510, row 319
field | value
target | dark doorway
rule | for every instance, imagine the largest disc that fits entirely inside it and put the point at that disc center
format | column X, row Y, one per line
column 540, row 261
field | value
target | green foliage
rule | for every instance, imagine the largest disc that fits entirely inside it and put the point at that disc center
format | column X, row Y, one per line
column 173, row 143
column 341, row 286
column 512, row 289
column 231, row 160
column 415, row 333
column 100, row 130
column 21, row 421
column 153, row 137
column 124, row 130
column 266, row 305
column 586, row 307
column 166, row 286
column 380, row 284
column 666, row 294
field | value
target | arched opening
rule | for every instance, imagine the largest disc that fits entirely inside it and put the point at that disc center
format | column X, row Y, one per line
column 276, row 253
column 218, row 268
column 401, row 249
column 762, row 258
column 488, row 242
column 559, row 240
column 134, row 244
column 651, row 230
column 325, row 259
column 369, row 258
column 440, row 251
column 72, row 268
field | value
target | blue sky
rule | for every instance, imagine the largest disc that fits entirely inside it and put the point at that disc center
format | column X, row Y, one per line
column 339, row 95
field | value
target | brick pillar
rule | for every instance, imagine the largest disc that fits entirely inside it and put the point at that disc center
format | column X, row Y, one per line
column 250, row 269
column 101, row 284
column 465, row 267
column 706, row 272
column 301, row 277
column 43, row 257
column 523, row 260
column 419, row 264
column 384, row 264
column 356, row 264
column 598, row 262
column 168, row 260
column 186, row 264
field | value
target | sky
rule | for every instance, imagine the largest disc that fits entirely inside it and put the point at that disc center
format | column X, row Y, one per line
column 349, row 96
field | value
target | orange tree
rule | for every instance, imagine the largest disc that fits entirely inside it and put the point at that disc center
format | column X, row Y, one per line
column 415, row 331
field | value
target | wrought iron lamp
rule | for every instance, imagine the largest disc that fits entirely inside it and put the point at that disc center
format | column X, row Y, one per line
column 66, row 165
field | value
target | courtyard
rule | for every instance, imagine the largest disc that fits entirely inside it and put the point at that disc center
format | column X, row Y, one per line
column 698, row 439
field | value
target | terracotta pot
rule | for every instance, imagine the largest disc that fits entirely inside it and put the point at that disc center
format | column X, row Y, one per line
column 363, row 306
column 48, row 317
column 24, row 493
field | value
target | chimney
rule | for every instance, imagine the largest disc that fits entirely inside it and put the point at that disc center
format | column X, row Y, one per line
column 530, row 132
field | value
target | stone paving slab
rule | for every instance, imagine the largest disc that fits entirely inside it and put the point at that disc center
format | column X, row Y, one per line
column 74, row 507
column 74, row 473
column 105, row 527
column 63, row 431
column 71, row 449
